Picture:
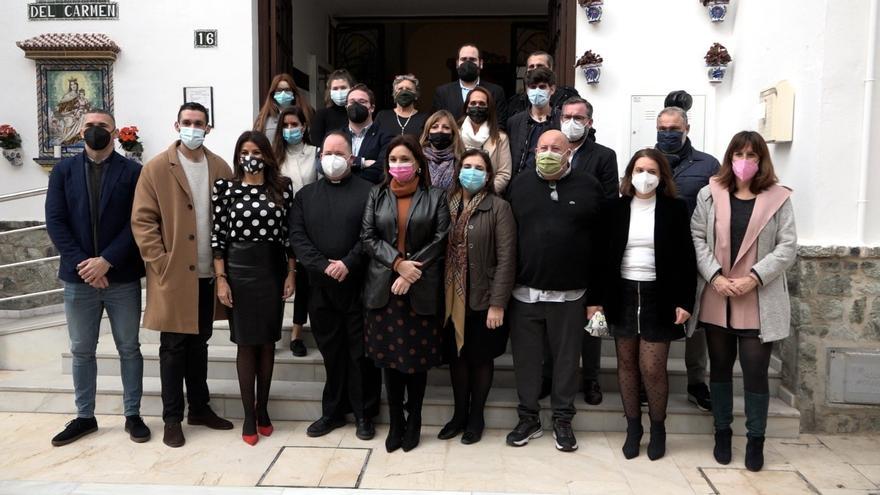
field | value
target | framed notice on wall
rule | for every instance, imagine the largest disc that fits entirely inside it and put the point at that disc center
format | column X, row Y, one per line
column 203, row 95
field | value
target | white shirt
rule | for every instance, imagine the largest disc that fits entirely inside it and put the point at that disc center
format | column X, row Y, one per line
column 200, row 186
column 299, row 165
column 465, row 91
column 529, row 295
column 638, row 257
column 357, row 139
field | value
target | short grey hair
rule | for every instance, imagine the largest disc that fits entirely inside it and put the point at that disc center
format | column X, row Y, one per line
column 674, row 110
column 101, row 111
column 405, row 77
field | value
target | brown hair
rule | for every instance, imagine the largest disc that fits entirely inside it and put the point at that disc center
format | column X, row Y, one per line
column 272, row 177
column 279, row 147
column 335, row 76
column 490, row 171
column 363, row 87
column 413, row 146
column 494, row 134
column 457, row 145
column 766, row 175
column 270, row 108
column 667, row 183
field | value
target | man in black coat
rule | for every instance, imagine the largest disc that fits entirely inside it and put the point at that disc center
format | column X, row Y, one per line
column 325, row 226
column 520, row 101
column 451, row 96
column 525, row 128
column 368, row 142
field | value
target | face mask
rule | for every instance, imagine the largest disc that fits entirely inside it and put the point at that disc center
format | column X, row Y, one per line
column 670, row 141
column 468, row 71
column 333, row 166
column 440, row 140
column 548, row 163
column 292, row 136
column 573, row 129
column 645, row 183
column 472, row 179
column 339, row 96
column 538, row 97
column 357, row 113
column 405, row 98
column 745, row 169
column 284, row 98
column 192, row 137
column 97, row 138
column 478, row 115
column 252, row 164
column 402, row 172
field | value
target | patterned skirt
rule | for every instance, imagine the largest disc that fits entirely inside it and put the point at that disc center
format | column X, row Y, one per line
column 398, row 338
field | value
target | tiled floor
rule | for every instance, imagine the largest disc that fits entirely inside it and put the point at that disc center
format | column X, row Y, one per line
column 99, row 463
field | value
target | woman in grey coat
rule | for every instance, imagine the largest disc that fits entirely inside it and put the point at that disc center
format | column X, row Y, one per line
column 745, row 240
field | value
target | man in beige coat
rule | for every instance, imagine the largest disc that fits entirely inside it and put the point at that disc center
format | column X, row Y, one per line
column 171, row 223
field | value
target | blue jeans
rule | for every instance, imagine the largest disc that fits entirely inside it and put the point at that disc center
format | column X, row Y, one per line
column 84, row 306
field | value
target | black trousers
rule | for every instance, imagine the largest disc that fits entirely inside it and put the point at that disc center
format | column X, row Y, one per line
column 353, row 383
column 301, row 298
column 184, row 358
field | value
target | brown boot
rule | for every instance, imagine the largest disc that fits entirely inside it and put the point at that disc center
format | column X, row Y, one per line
column 173, row 435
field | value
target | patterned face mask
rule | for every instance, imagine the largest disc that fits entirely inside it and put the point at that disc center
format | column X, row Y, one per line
column 252, row 164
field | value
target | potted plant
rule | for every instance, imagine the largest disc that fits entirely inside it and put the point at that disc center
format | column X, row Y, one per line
column 10, row 141
column 717, row 9
column 717, row 59
column 131, row 143
column 593, row 8
column 592, row 66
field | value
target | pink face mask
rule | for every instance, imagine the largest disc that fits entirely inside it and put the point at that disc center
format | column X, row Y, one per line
column 745, row 169
column 403, row 172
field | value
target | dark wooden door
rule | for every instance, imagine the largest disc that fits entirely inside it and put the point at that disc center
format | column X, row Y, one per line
column 275, row 37
column 562, row 15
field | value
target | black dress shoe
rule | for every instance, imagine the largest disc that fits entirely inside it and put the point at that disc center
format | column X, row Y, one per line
column 365, row 429
column 298, row 348
column 323, row 426
column 592, row 392
column 173, row 435
column 471, row 436
column 208, row 418
column 699, row 396
column 136, row 429
column 451, row 430
column 75, row 430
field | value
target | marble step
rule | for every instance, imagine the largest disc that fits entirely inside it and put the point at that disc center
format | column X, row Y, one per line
column 47, row 390
column 311, row 368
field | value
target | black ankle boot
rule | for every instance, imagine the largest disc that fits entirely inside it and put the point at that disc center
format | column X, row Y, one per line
column 755, row 453
column 634, row 432
column 413, row 430
column 394, row 440
column 657, row 444
column 722, row 446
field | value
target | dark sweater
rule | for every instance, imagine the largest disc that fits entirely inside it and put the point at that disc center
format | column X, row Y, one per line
column 387, row 121
column 325, row 121
column 325, row 224
column 560, row 244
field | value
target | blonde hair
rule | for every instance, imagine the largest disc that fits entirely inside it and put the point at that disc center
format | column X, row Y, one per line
column 457, row 144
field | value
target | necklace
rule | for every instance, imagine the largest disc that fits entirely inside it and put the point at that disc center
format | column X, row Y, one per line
column 404, row 124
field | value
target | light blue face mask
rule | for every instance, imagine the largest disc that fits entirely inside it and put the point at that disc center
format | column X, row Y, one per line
column 192, row 137
column 293, row 136
column 284, row 98
column 538, row 97
column 472, row 179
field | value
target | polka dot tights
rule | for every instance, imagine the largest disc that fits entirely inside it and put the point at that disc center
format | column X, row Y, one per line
column 641, row 361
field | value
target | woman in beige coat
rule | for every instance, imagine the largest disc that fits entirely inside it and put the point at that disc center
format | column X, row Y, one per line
column 479, row 130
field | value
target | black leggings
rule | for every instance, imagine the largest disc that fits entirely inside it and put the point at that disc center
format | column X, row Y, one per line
column 754, row 358
column 413, row 384
column 470, row 387
column 640, row 360
column 255, row 364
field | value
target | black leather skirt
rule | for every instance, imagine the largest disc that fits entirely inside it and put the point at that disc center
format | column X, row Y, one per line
column 255, row 272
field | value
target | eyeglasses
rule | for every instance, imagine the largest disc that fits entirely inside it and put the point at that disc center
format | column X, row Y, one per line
column 553, row 194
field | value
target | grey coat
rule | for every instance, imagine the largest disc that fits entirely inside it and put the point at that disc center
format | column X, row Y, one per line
column 777, row 250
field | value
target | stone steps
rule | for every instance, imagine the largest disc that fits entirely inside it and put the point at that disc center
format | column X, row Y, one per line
column 49, row 390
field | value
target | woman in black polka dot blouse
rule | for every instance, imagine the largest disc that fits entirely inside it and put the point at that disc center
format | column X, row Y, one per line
column 253, row 264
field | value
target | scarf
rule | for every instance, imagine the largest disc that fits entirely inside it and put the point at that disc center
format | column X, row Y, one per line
column 457, row 263
column 404, row 194
column 441, row 164
column 679, row 156
column 470, row 139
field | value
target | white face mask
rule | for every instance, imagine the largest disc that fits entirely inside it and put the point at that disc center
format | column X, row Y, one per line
column 573, row 129
column 339, row 96
column 645, row 183
column 334, row 166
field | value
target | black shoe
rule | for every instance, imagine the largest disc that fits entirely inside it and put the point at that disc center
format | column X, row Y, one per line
column 657, row 444
column 722, row 446
column 365, row 429
column 471, row 436
column 634, row 432
column 564, row 436
column 74, row 430
column 699, row 395
column 396, row 430
column 546, row 387
column 323, row 426
column 298, row 348
column 643, row 396
column 208, row 418
column 755, row 453
column 527, row 429
column 136, row 429
column 451, row 429
column 173, row 435
column 592, row 392
column 413, row 432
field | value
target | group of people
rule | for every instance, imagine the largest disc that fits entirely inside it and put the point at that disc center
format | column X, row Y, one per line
column 416, row 240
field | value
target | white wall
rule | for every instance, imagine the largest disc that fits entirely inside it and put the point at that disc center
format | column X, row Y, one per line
column 157, row 59
column 310, row 43
column 819, row 46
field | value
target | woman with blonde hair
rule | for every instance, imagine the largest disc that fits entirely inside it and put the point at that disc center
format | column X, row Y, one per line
column 443, row 148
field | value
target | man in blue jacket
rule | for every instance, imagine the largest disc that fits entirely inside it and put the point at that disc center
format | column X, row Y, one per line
column 88, row 212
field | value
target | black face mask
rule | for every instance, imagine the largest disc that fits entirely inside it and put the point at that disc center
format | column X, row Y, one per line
column 97, row 138
column 468, row 71
column 357, row 113
column 478, row 115
column 440, row 140
column 405, row 98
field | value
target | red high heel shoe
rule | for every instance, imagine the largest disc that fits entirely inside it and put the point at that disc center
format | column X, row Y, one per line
column 266, row 431
column 250, row 439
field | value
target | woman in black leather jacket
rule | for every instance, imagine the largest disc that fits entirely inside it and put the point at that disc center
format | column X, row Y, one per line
column 404, row 234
